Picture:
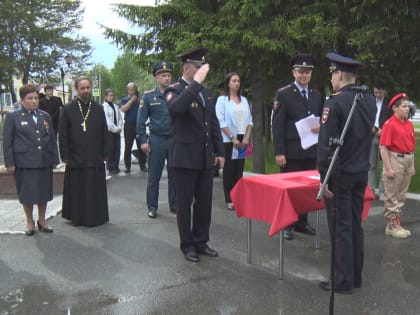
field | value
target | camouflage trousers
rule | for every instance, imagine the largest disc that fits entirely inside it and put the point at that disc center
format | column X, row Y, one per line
column 396, row 187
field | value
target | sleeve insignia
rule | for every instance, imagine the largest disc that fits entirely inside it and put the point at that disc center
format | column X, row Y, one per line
column 325, row 114
column 169, row 96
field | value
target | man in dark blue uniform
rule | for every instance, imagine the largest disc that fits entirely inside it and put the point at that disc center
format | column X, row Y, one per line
column 345, row 192
column 153, row 107
column 196, row 144
column 291, row 104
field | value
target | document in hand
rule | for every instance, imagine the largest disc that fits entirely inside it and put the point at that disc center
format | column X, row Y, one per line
column 304, row 126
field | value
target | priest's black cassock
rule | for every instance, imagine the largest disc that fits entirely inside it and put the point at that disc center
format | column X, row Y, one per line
column 84, row 146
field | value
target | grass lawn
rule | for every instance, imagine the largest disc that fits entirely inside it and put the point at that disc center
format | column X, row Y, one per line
column 272, row 168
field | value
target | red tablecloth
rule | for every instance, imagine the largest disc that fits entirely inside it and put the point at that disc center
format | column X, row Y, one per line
column 278, row 199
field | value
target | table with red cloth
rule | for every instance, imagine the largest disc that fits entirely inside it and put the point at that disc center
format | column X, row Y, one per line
column 278, row 199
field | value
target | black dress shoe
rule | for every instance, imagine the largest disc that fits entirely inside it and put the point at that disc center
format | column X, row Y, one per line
column 206, row 251
column 173, row 210
column 191, row 256
column 45, row 229
column 127, row 170
column 288, row 234
column 152, row 214
column 305, row 229
column 326, row 285
column 143, row 168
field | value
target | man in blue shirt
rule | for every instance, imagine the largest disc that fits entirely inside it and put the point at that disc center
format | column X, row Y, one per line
column 154, row 108
column 130, row 106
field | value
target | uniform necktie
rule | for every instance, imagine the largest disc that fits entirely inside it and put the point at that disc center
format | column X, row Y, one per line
column 33, row 115
column 304, row 94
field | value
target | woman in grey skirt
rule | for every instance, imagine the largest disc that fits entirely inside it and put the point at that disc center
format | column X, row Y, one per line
column 30, row 154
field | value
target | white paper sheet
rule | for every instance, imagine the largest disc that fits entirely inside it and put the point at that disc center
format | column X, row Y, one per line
column 304, row 126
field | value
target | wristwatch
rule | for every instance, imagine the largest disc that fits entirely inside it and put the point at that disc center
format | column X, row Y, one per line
column 231, row 136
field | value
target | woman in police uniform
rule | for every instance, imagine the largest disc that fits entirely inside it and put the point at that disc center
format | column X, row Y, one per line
column 30, row 154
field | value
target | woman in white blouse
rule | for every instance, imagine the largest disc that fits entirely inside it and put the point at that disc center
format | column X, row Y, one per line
column 114, row 121
column 234, row 114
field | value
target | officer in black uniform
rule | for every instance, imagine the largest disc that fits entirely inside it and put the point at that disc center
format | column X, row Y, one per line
column 153, row 107
column 347, row 185
column 292, row 103
column 196, row 144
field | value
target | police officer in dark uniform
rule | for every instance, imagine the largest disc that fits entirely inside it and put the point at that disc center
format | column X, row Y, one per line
column 154, row 108
column 291, row 104
column 347, row 185
column 196, row 144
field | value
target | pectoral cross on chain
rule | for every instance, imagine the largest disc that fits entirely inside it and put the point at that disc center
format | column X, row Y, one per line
column 83, row 124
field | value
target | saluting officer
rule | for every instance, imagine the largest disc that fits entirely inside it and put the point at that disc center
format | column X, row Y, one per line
column 347, row 186
column 196, row 144
column 292, row 103
column 154, row 108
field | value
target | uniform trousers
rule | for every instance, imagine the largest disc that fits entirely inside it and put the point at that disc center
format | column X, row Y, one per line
column 349, row 190
column 374, row 161
column 294, row 165
column 114, row 161
column 159, row 146
column 232, row 170
column 193, row 187
column 129, row 137
column 396, row 188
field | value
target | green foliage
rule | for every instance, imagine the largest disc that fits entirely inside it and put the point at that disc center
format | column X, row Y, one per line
column 257, row 38
column 127, row 69
column 35, row 36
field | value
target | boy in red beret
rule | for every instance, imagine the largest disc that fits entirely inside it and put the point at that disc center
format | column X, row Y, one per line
column 397, row 146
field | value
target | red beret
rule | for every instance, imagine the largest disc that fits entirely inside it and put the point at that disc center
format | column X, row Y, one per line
column 396, row 98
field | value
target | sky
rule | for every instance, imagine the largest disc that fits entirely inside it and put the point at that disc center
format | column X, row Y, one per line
column 104, row 51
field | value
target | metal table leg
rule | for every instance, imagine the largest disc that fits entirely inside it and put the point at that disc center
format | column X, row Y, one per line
column 249, row 245
column 317, row 236
column 281, row 256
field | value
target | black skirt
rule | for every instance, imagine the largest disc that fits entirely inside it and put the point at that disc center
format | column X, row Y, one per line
column 34, row 185
column 85, row 200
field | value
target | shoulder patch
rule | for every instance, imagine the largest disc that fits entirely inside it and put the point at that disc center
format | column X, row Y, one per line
column 169, row 96
column 325, row 115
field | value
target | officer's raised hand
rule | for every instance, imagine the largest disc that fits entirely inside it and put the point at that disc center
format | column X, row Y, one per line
column 201, row 73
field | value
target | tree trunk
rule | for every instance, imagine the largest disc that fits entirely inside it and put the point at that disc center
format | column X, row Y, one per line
column 258, row 116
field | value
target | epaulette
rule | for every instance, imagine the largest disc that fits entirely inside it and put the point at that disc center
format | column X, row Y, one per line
column 148, row 91
column 174, row 85
column 284, row 87
column 335, row 94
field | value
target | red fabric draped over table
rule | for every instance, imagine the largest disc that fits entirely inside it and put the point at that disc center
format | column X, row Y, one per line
column 278, row 199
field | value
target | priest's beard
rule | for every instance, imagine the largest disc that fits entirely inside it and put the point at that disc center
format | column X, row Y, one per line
column 85, row 98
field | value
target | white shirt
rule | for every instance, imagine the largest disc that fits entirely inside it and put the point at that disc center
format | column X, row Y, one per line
column 109, row 115
column 378, row 111
column 227, row 116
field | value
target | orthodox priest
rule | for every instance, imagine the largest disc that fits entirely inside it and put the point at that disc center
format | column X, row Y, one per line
column 84, row 146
